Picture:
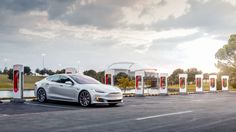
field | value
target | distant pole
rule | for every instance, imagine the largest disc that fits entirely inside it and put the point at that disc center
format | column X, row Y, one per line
column 43, row 55
column 5, row 62
column 59, row 65
column 78, row 62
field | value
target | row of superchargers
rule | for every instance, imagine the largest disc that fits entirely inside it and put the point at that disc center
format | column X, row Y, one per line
column 163, row 87
column 18, row 80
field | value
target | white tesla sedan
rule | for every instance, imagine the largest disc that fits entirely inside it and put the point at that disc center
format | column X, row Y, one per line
column 77, row 88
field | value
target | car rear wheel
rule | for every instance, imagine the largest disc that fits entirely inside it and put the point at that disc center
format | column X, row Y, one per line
column 41, row 95
column 84, row 99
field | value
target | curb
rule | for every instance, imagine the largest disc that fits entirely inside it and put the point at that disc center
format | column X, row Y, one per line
column 177, row 93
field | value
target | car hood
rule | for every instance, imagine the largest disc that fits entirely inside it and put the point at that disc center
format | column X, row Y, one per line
column 101, row 87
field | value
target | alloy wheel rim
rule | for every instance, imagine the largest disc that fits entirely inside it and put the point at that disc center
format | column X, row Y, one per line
column 84, row 98
column 41, row 95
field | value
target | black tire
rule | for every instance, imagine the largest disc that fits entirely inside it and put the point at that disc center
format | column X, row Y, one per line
column 41, row 95
column 84, row 99
column 112, row 104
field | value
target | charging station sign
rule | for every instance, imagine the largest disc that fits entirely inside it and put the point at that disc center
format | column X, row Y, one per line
column 16, row 81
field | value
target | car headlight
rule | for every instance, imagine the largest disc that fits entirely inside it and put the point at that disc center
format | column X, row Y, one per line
column 99, row 91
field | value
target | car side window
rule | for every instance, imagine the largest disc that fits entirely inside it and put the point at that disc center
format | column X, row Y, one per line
column 64, row 79
column 54, row 78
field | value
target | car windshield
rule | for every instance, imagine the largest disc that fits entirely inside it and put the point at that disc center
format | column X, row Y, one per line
column 81, row 79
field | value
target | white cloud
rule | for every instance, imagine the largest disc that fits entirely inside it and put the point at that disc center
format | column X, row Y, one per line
column 200, row 53
column 139, row 40
column 151, row 11
column 42, row 34
column 233, row 2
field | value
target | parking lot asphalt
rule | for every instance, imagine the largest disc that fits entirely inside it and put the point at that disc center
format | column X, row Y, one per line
column 196, row 112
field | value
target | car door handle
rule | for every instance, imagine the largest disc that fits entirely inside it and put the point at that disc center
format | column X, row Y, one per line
column 47, row 84
column 61, row 85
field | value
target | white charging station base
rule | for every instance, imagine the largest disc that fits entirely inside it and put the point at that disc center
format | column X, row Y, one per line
column 17, row 100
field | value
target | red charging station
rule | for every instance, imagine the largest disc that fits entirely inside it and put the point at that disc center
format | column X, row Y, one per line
column 225, row 83
column 18, row 83
column 212, row 81
column 139, row 83
column 183, row 83
column 163, row 83
column 109, row 77
column 199, row 83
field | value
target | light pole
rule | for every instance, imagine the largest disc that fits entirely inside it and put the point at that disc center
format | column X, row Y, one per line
column 5, row 62
column 78, row 62
column 43, row 55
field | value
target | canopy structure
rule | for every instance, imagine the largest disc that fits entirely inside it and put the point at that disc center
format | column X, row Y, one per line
column 126, row 67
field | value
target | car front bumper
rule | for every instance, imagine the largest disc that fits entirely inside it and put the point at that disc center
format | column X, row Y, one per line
column 107, row 98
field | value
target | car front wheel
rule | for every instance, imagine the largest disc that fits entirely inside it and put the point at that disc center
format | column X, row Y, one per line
column 41, row 95
column 84, row 99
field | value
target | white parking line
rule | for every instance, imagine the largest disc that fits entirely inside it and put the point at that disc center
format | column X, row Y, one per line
column 162, row 115
column 3, row 115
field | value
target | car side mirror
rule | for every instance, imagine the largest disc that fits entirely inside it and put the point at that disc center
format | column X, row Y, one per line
column 69, row 83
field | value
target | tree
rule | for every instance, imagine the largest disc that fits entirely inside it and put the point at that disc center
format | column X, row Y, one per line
column 91, row 73
column 174, row 77
column 61, row 71
column 0, row 71
column 191, row 74
column 226, row 57
column 118, row 76
column 37, row 71
column 43, row 71
column 10, row 74
column 50, row 72
column 27, row 70
column 5, row 71
column 125, row 82
column 101, row 76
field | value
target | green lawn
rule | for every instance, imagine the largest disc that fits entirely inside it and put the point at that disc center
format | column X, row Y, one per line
column 6, row 84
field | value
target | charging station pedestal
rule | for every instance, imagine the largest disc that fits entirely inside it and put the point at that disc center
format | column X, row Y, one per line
column 183, row 83
column 139, row 83
column 18, row 80
column 109, row 77
column 163, row 83
column 70, row 70
column 225, row 83
column 199, row 86
column 212, row 82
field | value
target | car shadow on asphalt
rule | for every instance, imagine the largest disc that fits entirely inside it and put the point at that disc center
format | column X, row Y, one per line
column 74, row 104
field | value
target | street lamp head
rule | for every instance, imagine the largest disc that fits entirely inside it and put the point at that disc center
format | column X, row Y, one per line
column 43, row 54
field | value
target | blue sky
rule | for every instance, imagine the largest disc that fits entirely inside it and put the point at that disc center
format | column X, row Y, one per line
column 166, row 34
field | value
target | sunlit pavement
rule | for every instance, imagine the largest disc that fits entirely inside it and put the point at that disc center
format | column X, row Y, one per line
column 195, row 112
